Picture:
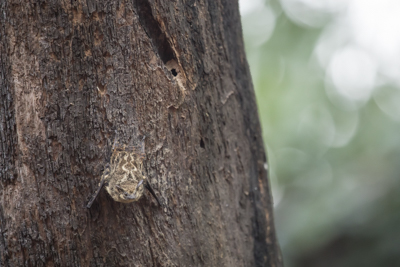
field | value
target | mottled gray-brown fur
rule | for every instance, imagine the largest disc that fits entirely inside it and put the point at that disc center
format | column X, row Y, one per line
column 124, row 177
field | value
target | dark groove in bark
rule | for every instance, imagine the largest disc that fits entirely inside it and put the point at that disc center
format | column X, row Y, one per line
column 153, row 30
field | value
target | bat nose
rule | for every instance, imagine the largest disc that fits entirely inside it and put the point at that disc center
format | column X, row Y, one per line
column 130, row 196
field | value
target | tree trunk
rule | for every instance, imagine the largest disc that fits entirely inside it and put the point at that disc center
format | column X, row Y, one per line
column 73, row 73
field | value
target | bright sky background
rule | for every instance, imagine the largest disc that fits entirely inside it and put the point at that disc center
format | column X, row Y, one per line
column 359, row 49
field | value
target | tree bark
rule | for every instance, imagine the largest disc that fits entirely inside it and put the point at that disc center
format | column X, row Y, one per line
column 74, row 72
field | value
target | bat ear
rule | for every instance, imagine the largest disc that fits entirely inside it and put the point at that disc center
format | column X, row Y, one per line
column 89, row 204
column 148, row 187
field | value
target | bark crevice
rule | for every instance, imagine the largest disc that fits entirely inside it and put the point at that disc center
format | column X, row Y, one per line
column 154, row 31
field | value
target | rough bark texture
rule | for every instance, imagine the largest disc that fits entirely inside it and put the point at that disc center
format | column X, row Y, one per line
column 74, row 71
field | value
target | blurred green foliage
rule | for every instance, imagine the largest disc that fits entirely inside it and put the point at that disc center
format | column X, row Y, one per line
column 334, row 166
